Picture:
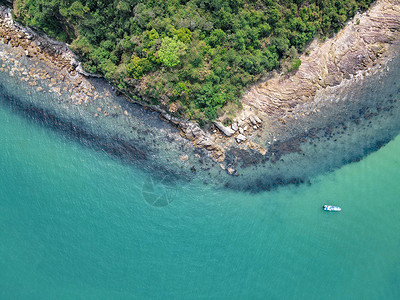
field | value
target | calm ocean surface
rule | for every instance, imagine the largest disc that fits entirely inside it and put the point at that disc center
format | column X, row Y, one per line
column 78, row 224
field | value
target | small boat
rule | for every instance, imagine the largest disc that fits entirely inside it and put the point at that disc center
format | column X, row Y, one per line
column 332, row 208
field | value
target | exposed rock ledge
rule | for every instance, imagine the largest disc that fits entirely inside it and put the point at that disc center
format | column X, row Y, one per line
column 357, row 50
column 361, row 46
column 360, row 49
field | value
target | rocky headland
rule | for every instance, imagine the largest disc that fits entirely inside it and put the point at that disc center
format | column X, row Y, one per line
column 274, row 110
column 358, row 51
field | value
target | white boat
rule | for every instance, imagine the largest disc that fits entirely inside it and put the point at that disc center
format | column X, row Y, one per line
column 332, row 208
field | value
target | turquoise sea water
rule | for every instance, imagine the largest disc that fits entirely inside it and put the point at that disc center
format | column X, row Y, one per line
column 77, row 224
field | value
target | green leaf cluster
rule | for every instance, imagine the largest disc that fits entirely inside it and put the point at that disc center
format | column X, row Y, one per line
column 170, row 51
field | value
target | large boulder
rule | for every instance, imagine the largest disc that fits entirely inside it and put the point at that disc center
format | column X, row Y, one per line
column 225, row 130
column 234, row 126
column 240, row 138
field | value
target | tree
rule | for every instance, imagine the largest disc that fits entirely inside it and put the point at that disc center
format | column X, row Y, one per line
column 75, row 12
column 170, row 51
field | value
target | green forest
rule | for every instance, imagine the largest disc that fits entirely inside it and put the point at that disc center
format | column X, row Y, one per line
column 195, row 57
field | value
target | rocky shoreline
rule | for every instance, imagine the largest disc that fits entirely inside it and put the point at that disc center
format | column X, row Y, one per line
column 278, row 119
column 33, row 44
column 359, row 51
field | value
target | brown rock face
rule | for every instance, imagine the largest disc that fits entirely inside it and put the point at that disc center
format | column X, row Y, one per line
column 361, row 45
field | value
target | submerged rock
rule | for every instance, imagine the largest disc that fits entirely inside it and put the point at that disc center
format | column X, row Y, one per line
column 230, row 170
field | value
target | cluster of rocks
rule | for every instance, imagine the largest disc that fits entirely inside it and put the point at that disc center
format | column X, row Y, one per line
column 229, row 169
column 64, row 63
column 33, row 44
column 241, row 127
column 201, row 139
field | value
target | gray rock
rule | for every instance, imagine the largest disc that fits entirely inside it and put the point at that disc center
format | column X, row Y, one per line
column 193, row 132
column 252, row 120
column 205, row 141
column 166, row 116
column 240, row 138
column 257, row 119
column 231, row 170
column 234, row 126
column 225, row 130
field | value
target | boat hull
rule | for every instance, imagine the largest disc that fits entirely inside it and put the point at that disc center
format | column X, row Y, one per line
column 331, row 208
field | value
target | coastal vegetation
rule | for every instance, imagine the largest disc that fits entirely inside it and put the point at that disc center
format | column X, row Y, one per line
column 194, row 57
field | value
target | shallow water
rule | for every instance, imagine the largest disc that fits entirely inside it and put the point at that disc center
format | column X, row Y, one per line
column 351, row 122
column 104, row 208
column 78, row 224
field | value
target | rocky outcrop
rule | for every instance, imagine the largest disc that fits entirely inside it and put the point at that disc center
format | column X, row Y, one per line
column 35, row 45
column 240, row 138
column 194, row 133
column 359, row 47
column 225, row 130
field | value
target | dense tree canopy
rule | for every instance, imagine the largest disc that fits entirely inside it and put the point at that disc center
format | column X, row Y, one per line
column 198, row 54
